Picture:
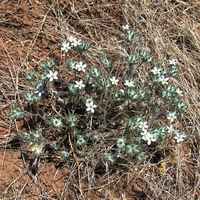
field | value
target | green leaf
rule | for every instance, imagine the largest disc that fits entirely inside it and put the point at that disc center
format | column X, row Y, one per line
column 106, row 61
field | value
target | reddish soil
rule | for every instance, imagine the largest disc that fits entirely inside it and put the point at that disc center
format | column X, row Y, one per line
column 15, row 181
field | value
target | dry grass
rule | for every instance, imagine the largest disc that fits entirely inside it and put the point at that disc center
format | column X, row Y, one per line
column 31, row 31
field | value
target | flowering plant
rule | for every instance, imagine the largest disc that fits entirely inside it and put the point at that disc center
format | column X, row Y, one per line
column 102, row 109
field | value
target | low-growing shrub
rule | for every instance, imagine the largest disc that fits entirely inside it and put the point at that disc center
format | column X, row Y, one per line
column 103, row 113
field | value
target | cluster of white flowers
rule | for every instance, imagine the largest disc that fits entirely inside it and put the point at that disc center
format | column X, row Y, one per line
column 148, row 137
column 52, row 75
column 160, row 76
column 90, row 106
column 114, row 80
column 79, row 84
column 156, row 71
column 129, row 83
column 70, row 43
column 79, row 66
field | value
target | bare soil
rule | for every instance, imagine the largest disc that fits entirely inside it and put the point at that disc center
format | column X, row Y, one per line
column 17, row 183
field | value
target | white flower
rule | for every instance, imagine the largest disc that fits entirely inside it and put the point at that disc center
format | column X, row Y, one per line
column 171, row 116
column 156, row 70
column 37, row 148
column 121, row 143
column 173, row 61
column 37, row 134
column 143, row 125
column 74, row 41
column 57, row 122
column 39, row 93
column 80, row 66
column 114, row 81
column 65, row 46
column 80, row 141
column 79, row 84
column 170, row 129
column 164, row 80
column 52, row 75
column 160, row 75
column 90, row 106
column 129, row 83
column 121, row 91
column 148, row 137
column 179, row 91
column 179, row 137
column 125, row 27
column 71, row 38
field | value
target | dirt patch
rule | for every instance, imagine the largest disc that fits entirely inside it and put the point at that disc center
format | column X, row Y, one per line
column 16, row 181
